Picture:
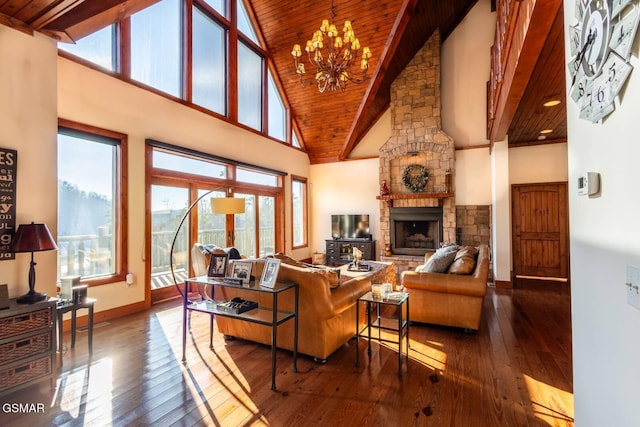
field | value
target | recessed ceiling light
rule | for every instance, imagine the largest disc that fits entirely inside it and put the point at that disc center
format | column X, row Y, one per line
column 552, row 103
column 545, row 131
column 541, row 137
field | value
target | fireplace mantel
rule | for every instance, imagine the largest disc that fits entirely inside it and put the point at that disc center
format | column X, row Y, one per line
column 389, row 198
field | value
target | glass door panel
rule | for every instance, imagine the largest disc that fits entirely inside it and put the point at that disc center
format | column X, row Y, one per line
column 267, row 225
column 168, row 204
column 211, row 227
column 245, row 227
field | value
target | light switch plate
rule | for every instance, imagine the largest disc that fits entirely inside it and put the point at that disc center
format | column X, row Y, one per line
column 633, row 287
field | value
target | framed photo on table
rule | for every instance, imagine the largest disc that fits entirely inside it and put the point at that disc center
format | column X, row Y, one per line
column 270, row 273
column 218, row 265
column 241, row 270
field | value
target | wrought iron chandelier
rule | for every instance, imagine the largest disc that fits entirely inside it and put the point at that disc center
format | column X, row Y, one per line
column 333, row 56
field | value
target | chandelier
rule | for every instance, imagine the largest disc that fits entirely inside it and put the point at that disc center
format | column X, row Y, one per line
column 333, row 56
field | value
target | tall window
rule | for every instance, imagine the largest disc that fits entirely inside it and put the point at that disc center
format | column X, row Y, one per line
column 155, row 46
column 209, row 63
column 97, row 48
column 299, row 211
column 91, row 203
column 277, row 112
column 249, row 87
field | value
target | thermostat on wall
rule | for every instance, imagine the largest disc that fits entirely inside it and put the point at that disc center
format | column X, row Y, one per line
column 588, row 183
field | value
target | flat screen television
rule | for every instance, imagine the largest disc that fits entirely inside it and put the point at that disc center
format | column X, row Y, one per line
column 350, row 227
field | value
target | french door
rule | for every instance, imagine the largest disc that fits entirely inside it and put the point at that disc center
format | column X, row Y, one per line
column 253, row 233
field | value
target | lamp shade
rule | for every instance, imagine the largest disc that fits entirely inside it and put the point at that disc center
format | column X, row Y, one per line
column 227, row 205
column 33, row 238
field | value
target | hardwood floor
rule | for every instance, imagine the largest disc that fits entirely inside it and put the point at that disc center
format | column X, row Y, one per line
column 516, row 371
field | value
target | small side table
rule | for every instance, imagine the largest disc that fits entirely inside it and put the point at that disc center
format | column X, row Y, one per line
column 400, row 324
column 73, row 307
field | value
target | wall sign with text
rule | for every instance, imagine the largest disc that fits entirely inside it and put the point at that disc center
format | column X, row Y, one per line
column 8, row 173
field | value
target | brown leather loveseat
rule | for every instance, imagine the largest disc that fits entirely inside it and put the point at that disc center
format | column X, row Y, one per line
column 449, row 299
column 327, row 310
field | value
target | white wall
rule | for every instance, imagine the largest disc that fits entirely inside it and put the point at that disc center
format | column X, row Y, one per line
column 539, row 163
column 343, row 188
column 465, row 72
column 30, row 126
column 501, row 212
column 604, row 241
column 473, row 177
column 370, row 144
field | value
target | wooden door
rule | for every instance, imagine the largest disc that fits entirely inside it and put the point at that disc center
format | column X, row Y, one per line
column 540, row 230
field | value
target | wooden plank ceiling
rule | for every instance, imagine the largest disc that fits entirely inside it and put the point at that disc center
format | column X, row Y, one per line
column 331, row 124
column 547, row 82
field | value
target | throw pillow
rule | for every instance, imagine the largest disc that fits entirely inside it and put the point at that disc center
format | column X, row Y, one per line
column 441, row 260
column 464, row 261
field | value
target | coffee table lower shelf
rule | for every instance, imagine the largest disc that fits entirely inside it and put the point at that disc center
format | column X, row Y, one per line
column 263, row 316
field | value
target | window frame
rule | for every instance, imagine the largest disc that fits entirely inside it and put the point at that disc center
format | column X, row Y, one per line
column 120, row 198
column 305, row 212
column 194, row 182
column 122, row 61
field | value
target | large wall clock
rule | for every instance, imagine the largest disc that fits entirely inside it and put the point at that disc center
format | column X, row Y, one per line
column 600, row 45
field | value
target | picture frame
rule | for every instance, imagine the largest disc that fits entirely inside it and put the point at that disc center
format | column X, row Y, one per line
column 218, row 265
column 270, row 273
column 241, row 269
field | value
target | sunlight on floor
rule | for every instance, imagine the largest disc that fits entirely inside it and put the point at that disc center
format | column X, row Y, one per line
column 428, row 353
column 78, row 394
column 562, row 401
column 206, row 369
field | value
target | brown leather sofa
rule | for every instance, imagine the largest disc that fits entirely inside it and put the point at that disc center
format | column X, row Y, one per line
column 449, row 299
column 326, row 313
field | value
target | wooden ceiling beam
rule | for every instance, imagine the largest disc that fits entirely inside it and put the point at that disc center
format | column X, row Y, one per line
column 391, row 46
column 15, row 24
column 98, row 19
column 534, row 22
column 56, row 11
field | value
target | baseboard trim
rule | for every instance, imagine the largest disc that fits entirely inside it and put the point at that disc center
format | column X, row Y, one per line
column 103, row 316
column 503, row 284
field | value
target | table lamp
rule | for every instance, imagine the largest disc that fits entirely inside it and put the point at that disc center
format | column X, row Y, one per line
column 32, row 238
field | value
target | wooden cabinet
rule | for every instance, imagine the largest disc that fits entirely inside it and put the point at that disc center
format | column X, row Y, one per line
column 341, row 251
column 27, row 344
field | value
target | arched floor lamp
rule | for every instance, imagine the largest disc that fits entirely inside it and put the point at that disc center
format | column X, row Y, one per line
column 219, row 205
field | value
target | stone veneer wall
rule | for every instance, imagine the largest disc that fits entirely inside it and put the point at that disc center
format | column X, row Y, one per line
column 474, row 225
column 416, row 138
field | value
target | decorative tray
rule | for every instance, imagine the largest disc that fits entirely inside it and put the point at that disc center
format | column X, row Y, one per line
column 236, row 305
column 361, row 267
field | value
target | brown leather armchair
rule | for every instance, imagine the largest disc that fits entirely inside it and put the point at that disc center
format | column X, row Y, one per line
column 449, row 299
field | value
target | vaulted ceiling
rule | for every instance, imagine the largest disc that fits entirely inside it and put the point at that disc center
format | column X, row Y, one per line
column 330, row 124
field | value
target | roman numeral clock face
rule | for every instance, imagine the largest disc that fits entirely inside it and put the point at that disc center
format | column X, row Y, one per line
column 600, row 45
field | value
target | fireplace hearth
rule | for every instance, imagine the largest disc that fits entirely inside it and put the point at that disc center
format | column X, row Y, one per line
column 415, row 231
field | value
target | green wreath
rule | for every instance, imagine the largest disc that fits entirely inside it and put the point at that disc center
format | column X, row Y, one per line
column 415, row 178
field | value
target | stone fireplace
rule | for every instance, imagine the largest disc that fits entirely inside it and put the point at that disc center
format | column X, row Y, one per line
column 414, row 231
column 417, row 138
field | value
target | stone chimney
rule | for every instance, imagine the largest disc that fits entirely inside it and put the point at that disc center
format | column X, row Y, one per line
column 417, row 138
